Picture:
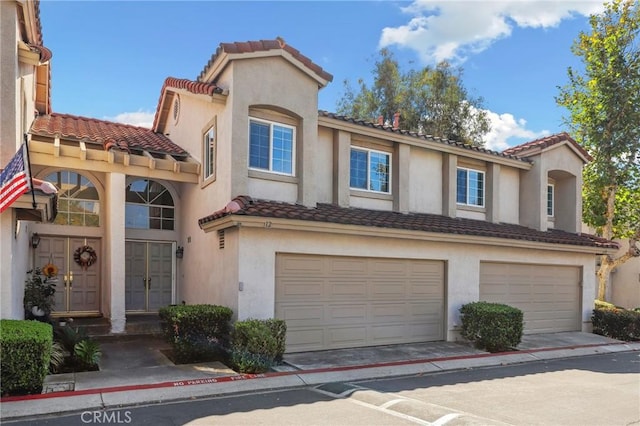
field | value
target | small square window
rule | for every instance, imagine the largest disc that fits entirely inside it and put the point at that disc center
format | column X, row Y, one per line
column 470, row 187
column 370, row 170
column 271, row 147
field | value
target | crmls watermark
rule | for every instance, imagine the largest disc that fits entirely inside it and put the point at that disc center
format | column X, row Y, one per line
column 106, row 417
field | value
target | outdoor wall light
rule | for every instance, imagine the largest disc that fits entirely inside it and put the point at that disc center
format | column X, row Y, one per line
column 35, row 240
column 179, row 252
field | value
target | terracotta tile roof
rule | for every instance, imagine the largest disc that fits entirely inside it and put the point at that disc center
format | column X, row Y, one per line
column 195, row 87
column 400, row 131
column 103, row 132
column 546, row 142
column 244, row 205
column 263, row 46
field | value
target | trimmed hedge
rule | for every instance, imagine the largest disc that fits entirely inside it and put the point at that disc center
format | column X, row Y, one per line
column 197, row 332
column 617, row 323
column 257, row 344
column 25, row 353
column 492, row 326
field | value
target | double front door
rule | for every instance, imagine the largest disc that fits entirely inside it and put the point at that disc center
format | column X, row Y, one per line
column 78, row 286
column 149, row 275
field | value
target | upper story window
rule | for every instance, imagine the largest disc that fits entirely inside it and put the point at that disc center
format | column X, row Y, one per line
column 149, row 206
column 370, row 170
column 78, row 201
column 271, row 146
column 470, row 187
column 550, row 190
column 209, row 153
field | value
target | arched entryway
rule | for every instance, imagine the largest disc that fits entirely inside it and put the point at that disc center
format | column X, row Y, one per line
column 149, row 246
column 73, row 245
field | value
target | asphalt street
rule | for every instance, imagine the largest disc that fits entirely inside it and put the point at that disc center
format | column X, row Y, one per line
column 590, row 390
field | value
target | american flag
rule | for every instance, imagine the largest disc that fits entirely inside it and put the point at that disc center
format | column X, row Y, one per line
column 14, row 179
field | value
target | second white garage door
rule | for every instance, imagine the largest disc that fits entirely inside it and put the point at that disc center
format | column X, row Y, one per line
column 334, row 302
column 548, row 295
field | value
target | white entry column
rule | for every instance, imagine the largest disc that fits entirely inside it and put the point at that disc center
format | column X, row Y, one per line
column 114, row 250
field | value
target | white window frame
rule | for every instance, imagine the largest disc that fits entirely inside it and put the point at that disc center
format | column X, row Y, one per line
column 369, row 152
column 551, row 187
column 484, row 187
column 209, row 148
column 293, row 146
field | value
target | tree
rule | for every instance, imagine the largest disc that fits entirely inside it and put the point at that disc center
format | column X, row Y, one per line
column 604, row 105
column 430, row 100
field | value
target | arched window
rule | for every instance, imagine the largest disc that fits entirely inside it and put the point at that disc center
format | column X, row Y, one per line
column 149, row 206
column 78, row 201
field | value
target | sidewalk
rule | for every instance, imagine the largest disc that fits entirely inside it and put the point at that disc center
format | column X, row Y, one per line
column 135, row 372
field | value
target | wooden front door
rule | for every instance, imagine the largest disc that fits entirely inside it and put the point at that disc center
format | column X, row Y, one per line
column 148, row 275
column 78, row 288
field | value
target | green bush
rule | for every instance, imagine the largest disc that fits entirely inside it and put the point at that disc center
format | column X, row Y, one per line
column 617, row 323
column 492, row 326
column 25, row 353
column 257, row 344
column 197, row 332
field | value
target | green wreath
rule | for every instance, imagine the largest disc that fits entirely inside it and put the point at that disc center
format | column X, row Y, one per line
column 85, row 256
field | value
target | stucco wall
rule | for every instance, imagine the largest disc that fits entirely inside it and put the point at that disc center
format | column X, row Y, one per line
column 258, row 248
column 425, row 194
column 509, row 195
column 625, row 281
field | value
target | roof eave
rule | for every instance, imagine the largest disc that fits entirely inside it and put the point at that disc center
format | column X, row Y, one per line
column 270, row 223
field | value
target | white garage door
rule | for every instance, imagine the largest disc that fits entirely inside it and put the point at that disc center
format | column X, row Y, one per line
column 548, row 295
column 333, row 302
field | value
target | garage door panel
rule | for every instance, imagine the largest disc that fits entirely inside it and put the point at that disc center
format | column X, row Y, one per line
column 388, row 267
column 307, row 339
column 301, row 316
column 387, row 333
column 548, row 295
column 345, row 266
column 352, row 289
column 339, row 337
column 302, row 266
column 300, row 289
column 341, row 314
column 387, row 312
column 366, row 301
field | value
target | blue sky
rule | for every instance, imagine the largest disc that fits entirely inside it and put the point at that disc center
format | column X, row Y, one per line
column 111, row 58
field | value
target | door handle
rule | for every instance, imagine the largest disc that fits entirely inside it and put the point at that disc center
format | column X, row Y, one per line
column 66, row 279
column 70, row 279
column 144, row 282
column 149, row 283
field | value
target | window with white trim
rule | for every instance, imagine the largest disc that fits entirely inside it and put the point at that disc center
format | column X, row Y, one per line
column 550, row 206
column 470, row 187
column 370, row 170
column 209, row 153
column 271, row 146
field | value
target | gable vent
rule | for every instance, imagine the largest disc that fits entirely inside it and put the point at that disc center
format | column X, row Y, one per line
column 221, row 238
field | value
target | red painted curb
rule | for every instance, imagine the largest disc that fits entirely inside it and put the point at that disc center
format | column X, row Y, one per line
column 241, row 377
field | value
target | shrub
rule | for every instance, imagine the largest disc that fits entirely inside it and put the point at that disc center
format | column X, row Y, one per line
column 88, row 353
column 79, row 352
column 197, row 332
column 617, row 323
column 492, row 326
column 257, row 344
column 25, row 353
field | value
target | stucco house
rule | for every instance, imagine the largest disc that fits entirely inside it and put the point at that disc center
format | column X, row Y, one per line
column 244, row 194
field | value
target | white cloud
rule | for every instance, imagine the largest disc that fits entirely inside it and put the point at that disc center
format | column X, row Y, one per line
column 451, row 30
column 139, row 118
column 505, row 127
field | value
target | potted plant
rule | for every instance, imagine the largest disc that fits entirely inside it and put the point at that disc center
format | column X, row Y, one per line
column 39, row 290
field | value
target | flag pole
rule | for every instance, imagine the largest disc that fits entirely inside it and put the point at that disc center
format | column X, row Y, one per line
column 33, row 193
